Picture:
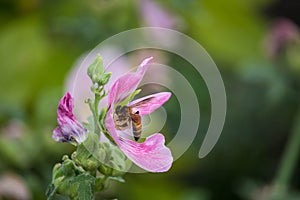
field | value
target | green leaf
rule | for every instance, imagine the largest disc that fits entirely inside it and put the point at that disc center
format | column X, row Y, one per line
column 86, row 184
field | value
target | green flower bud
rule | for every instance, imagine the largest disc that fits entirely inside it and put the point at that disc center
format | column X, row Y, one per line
column 63, row 173
column 96, row 70
column 64, row 169
column 65, row 188
column 89, row 153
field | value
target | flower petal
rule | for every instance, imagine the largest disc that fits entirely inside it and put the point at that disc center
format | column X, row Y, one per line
column 110, row 125
column 58, row 135
column 148, row 104
column 127, row 83
column 65, row 106
column 69, row 129
column 156, row 16
column 151, row 155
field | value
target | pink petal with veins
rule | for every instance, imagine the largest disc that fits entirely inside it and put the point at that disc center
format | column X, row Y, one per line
column 151, row 155
column 110, row 125
column 68, row 127
column 148, row 104
column 127, row 84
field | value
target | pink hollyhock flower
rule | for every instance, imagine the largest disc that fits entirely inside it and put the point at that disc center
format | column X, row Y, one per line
column 152, row 154
column 154, row 15
column 282, row 33
column 69, row 129
column 79, row 83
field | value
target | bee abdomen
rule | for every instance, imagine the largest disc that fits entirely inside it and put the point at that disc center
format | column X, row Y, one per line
column 137, row 130
column 136, row 125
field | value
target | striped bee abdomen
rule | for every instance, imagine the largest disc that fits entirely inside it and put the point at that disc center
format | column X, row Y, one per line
column 136, row 125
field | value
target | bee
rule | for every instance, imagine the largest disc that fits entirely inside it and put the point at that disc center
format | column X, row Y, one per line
column 125, row 118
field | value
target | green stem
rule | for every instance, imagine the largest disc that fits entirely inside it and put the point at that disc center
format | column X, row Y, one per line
column 288, row 162
column 96, row 114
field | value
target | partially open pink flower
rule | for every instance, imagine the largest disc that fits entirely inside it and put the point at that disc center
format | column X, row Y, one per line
column 69, row 129
column 152, row 154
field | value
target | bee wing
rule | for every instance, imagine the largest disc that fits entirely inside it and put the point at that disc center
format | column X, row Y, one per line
column 148, row 104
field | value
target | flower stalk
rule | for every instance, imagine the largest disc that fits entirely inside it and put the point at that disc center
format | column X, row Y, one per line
column 288, row 162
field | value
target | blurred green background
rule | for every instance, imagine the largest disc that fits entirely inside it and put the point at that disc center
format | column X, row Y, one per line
column 41, row 39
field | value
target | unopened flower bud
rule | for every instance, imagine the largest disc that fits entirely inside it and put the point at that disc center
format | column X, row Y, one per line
column 96, row 70
column 89, row 154
column 62, row 174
